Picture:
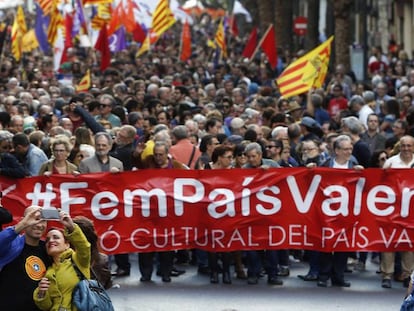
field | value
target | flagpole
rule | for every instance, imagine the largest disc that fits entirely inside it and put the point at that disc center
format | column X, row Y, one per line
column 5, row 41
column 180, row 50
column 260, row 42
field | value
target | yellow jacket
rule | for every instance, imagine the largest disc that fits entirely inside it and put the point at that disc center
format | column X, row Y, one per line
column 63, row 277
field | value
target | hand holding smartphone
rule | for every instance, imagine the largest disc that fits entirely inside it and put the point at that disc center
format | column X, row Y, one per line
column 50, row 214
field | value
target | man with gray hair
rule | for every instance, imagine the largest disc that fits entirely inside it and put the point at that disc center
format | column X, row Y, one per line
column 353, row 127
column 183, row 150
column 255, row 159
column 103, row 162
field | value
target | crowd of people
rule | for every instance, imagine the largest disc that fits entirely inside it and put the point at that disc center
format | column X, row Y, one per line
column 159, row 113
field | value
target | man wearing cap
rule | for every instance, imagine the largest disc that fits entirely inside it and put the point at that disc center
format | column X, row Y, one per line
column 237, row 126
column 311, row 130
column 232, row 141
column 295, row 111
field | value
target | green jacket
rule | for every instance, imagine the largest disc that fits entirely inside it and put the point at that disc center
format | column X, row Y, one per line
column 63, row 277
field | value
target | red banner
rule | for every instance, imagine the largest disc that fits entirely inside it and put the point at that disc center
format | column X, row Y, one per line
column 149, row 210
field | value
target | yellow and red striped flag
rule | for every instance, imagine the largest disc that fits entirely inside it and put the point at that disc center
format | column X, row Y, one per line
column 162, row 19
column 144, row 47
column 102, row 17
column 19, row 29
column 220, row 39
column 97, row 2
column 56, row 21
column 307, row 72
column 46, row 6
column 85, row 83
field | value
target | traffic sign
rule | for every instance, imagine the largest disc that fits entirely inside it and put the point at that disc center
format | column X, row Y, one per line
column 300, row 25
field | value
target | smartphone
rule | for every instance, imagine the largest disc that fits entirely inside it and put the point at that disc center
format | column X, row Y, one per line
column 48, row 213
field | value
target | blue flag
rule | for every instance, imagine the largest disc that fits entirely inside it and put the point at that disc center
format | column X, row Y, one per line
column 40, row 25
column 117, row 42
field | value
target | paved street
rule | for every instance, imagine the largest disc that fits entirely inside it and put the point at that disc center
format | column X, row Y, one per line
column 193, row 292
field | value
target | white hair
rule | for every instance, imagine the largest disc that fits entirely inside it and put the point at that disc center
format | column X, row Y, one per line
column 279, row 130
column 88, row 149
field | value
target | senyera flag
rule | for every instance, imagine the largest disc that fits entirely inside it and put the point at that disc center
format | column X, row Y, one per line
column 85, row 83
column 321, row 209
column 307, row 72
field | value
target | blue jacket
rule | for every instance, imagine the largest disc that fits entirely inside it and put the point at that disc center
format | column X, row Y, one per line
column 11, row 245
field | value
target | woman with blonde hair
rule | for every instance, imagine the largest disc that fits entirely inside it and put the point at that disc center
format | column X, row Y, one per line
column 59, row 164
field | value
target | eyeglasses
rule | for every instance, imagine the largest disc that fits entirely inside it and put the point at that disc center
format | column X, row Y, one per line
column 270, row 146
column 241, row 155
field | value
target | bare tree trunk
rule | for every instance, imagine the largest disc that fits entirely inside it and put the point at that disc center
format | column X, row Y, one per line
column 312, row 35
column 343, row 39
column 265, row 13
column 251, row 6
column 284, row 24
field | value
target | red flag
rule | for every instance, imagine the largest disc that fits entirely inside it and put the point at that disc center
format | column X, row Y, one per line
column 68, row 30
column 251, row 44
column 102, row 45
column 234, row 30
column 268, row 46
column 129, row 18
column 185, row 42
column 139, row 34
column 116, row 19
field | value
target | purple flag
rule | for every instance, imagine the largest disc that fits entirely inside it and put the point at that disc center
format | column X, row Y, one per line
column 40, row 25
column 117, row 41
column 79, row 21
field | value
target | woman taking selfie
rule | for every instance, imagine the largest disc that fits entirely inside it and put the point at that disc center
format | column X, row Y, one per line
column 55, row 289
